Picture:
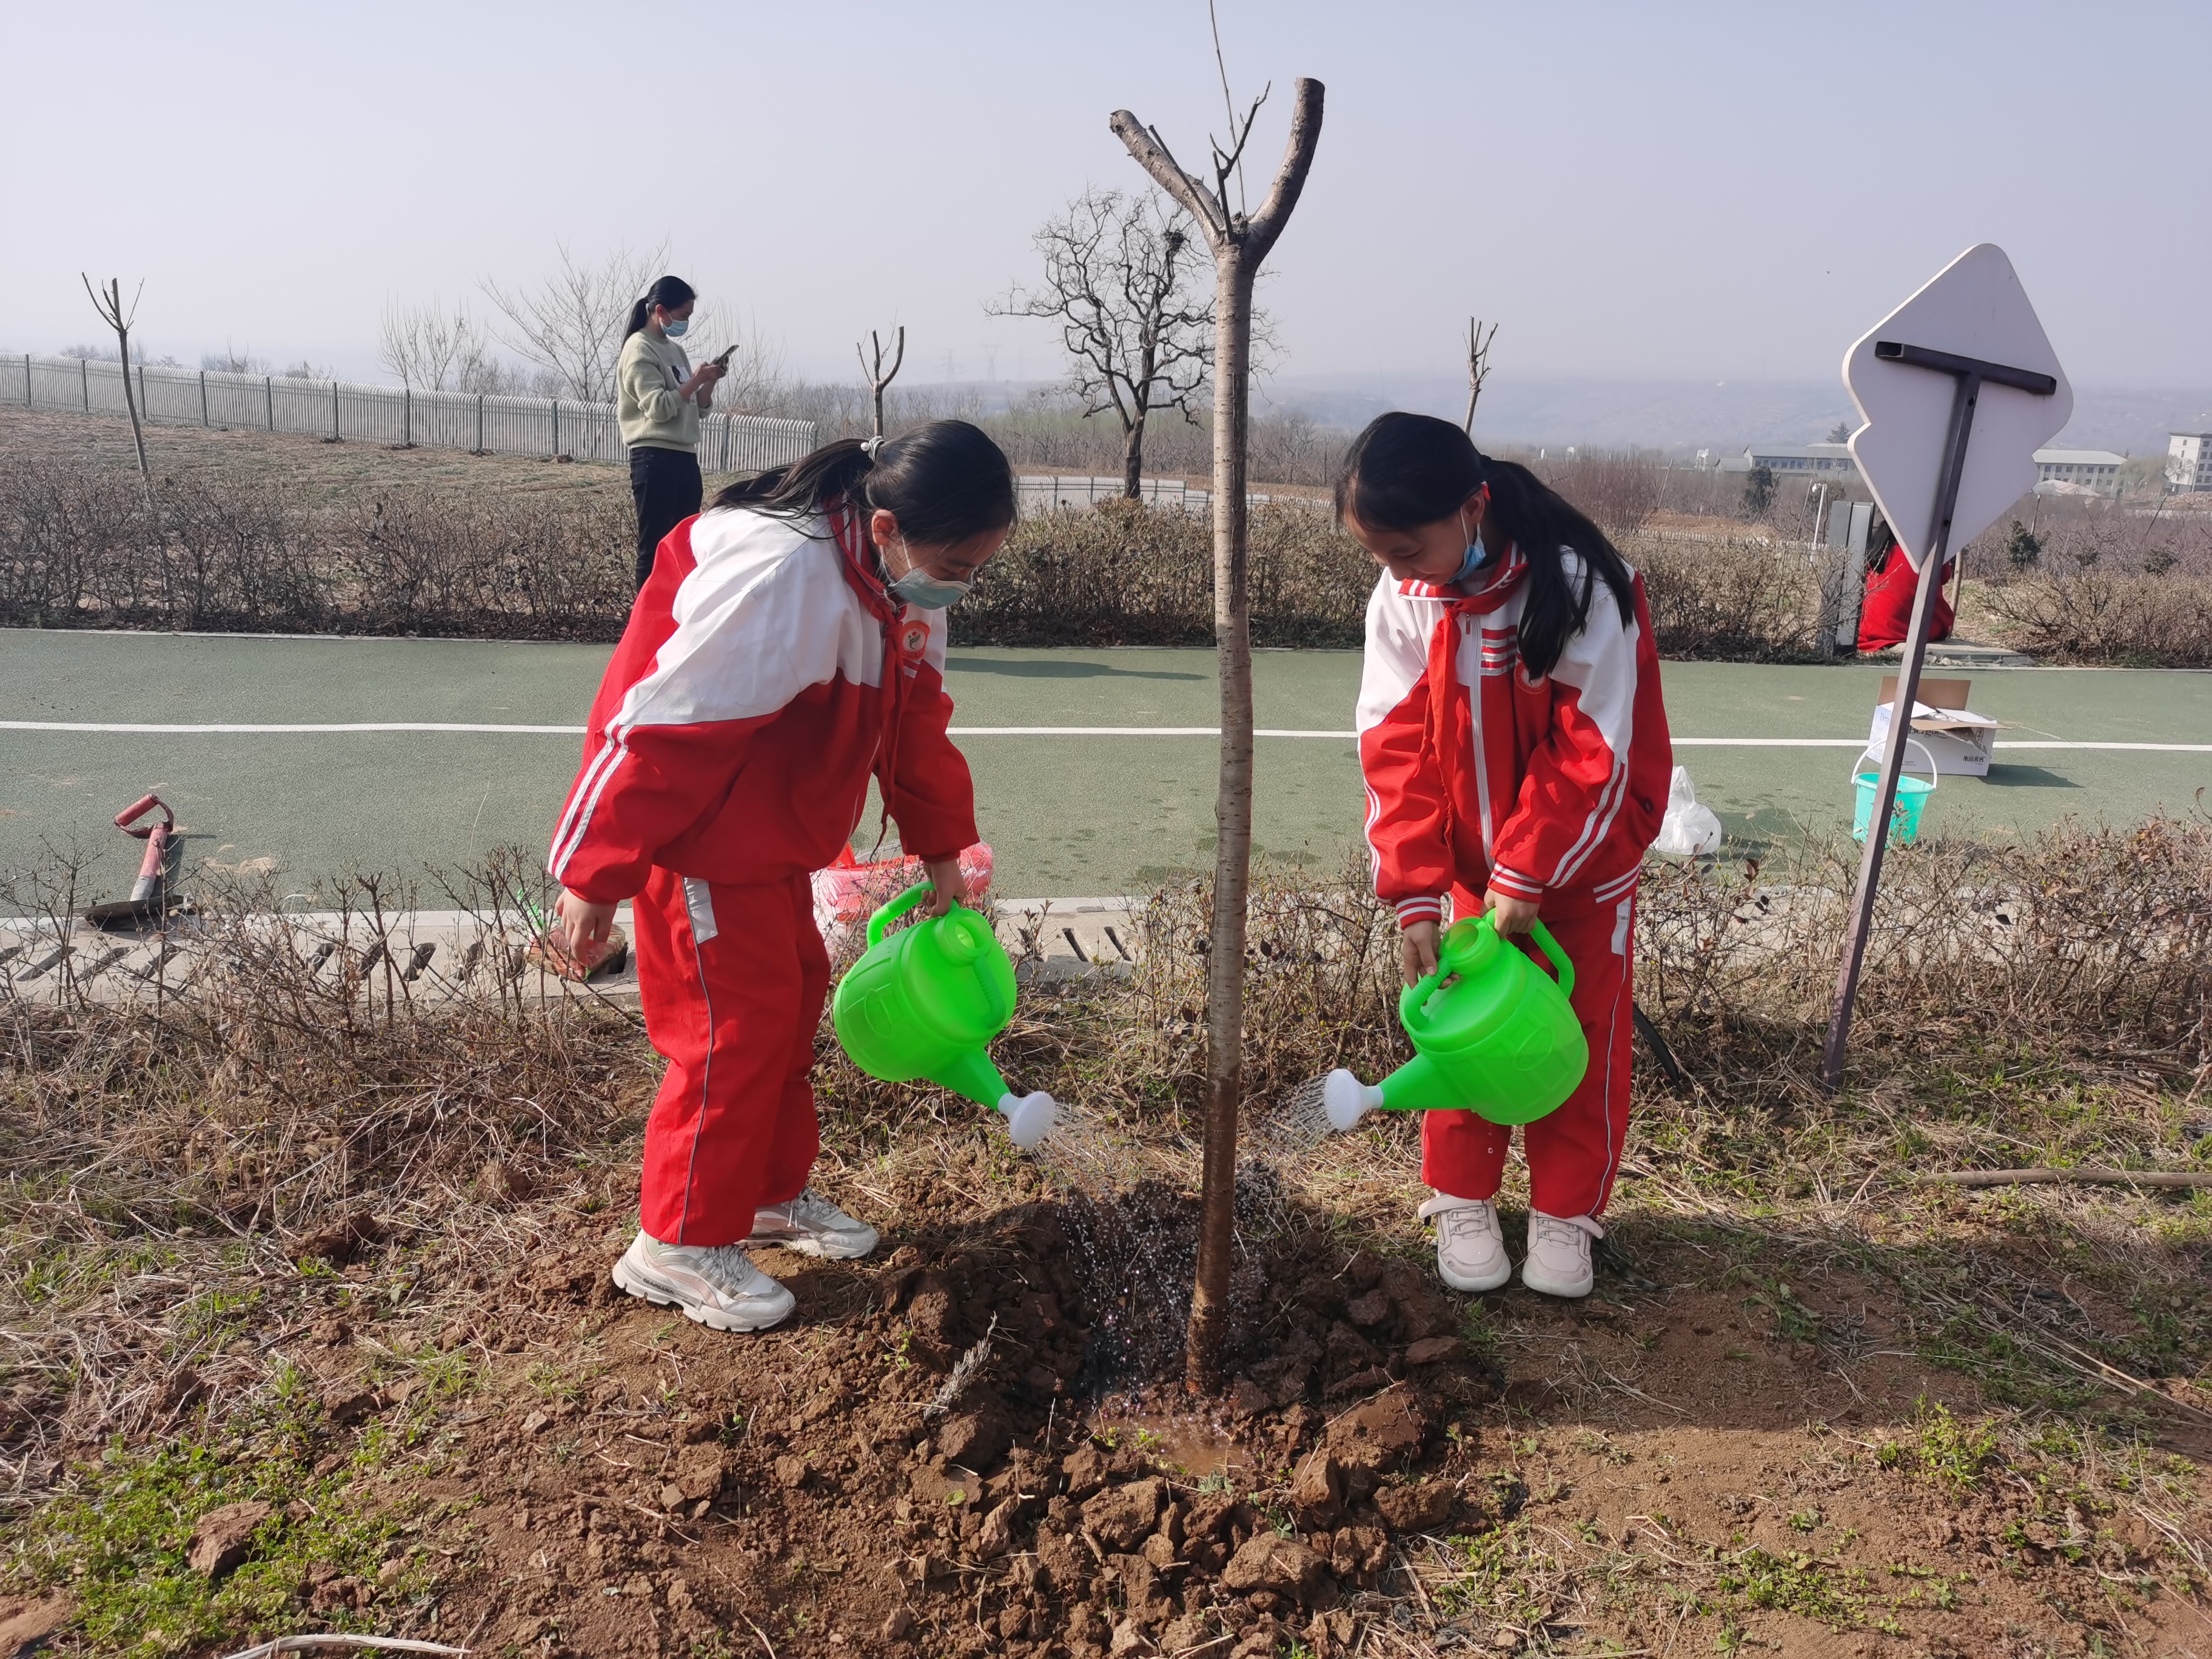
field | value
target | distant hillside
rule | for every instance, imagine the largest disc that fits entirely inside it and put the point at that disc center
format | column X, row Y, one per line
column 1688, row 415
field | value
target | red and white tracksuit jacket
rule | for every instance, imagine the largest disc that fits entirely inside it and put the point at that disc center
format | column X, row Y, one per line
column 765, row 677
column 1478, row 777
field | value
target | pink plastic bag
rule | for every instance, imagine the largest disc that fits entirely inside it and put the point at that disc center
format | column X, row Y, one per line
column 849, row 890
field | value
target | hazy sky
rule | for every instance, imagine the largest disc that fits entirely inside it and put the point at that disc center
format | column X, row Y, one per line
column 1724, row 191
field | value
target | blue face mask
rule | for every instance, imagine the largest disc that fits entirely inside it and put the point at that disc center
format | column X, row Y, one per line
column 672, row 330
column 1477, row 555
column 926, row 593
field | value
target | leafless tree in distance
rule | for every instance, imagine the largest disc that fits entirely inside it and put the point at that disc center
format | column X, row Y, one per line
column 108, row 303
column 1478, row 366
column 872, row 372
column 572, row 325
column 1120, row 278
column 1239, row 242
column 433, row 351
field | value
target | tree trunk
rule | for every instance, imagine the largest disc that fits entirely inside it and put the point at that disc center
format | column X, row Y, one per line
column 878, row 390
column 1132, row 458
column 1232, row 816
column 131, row 402
column 1239, row 243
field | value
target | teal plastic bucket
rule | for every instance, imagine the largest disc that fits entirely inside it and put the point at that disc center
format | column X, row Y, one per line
column 1912, row 795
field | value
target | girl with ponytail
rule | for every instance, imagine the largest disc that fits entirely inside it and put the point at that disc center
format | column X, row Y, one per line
column 659, row 398
column 789, row 647
column 1516, row 751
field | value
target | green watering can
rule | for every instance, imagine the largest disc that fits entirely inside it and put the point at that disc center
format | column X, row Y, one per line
column 1501, row 1042
column 925, row 1003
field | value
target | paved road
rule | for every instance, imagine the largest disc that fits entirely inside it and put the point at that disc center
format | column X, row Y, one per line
column 1067, row 813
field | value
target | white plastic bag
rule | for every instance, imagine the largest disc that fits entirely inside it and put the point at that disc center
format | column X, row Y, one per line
column 1688, row 828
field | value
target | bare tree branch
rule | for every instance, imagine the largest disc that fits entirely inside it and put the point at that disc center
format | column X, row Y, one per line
column 1120, row 278
column 572, row 325
column 878, row 381
column 1478, row 366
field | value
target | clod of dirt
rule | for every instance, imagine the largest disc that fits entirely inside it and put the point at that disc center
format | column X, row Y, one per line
column 978, row 1439
column 223, row 1538
column 1269, row 1564
column 1370, row 1307
column 184, row 1388
column 25, row 1624
column 1121, row 1517
column 996, row 1536
column 791, row 1471
column 1318, row 1491
column 340, row 1242
column 700, row 1475
column 1434, row 1350
column 1415, row 1508
column 1356, row 1554
column 503, row 1183
column 344, row 1405
column 898, row 1626
column 1378, row 1435
column 1084, row 1469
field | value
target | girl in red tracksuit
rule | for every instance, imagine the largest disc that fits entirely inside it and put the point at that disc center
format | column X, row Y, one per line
column 789, row 647
column 1517, row 758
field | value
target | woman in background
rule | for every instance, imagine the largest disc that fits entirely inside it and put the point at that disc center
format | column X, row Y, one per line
column 659, row 398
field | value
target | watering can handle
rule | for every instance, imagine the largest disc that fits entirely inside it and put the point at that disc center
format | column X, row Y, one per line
column 1415, row 997
column 1560, row 963
column 885, row 916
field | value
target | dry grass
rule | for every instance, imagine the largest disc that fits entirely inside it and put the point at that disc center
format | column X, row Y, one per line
column 193, row 1183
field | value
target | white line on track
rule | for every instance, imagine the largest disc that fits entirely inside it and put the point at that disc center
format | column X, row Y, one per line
column 465, row 728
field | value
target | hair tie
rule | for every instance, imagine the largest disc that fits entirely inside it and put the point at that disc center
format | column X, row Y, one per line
column 872, row 447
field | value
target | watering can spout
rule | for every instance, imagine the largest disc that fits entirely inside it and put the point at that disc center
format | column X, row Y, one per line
column 1347, row 1099
column 971, row 1074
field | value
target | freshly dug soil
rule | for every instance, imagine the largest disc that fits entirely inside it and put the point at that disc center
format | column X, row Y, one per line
column 628, row 1482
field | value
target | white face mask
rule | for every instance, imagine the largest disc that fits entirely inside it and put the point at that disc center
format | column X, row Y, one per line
column 674, row 326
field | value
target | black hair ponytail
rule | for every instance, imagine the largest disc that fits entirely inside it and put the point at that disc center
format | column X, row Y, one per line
column 945, row 483
column 666, row 292
column 1407, row 470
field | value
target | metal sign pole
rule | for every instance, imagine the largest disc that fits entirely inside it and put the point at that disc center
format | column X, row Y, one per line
column 1969, row 374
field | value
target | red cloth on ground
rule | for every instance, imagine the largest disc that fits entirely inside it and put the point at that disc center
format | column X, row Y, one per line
column 1574, row 1153
column 1886, row 612
column 732, row 981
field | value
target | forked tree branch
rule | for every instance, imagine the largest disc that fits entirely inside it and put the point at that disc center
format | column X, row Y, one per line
column 1227, row 231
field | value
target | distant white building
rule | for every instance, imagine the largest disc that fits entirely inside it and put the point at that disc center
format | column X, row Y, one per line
column 2098, row 469
column 1811, row 460
column 2189, row 462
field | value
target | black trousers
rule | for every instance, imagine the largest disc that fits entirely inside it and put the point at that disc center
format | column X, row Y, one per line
column 664, row 484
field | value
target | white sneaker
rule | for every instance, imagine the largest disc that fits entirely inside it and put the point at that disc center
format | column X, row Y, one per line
column 716, row 1285
column 813, row 1225
column 1470, row 1249
column 1559, row 1262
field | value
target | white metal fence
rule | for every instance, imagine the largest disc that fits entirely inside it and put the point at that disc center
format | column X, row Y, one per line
column 380, row 414
column 1039, row 491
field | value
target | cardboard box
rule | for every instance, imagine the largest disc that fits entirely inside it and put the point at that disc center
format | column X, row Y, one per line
column 1959, row 740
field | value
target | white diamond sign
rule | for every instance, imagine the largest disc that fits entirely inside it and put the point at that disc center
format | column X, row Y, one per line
column 1974, row 308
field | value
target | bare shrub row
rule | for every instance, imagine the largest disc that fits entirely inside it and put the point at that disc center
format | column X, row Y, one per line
column 84, row 546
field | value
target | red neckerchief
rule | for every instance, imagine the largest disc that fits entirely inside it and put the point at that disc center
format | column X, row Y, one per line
column 905, row 637
column 1503, row 583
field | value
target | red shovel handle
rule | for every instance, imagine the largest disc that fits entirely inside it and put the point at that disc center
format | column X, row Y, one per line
column 138, row 808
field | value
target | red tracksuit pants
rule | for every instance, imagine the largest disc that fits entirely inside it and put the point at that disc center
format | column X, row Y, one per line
column 733, row 979
column 1573, row 1152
